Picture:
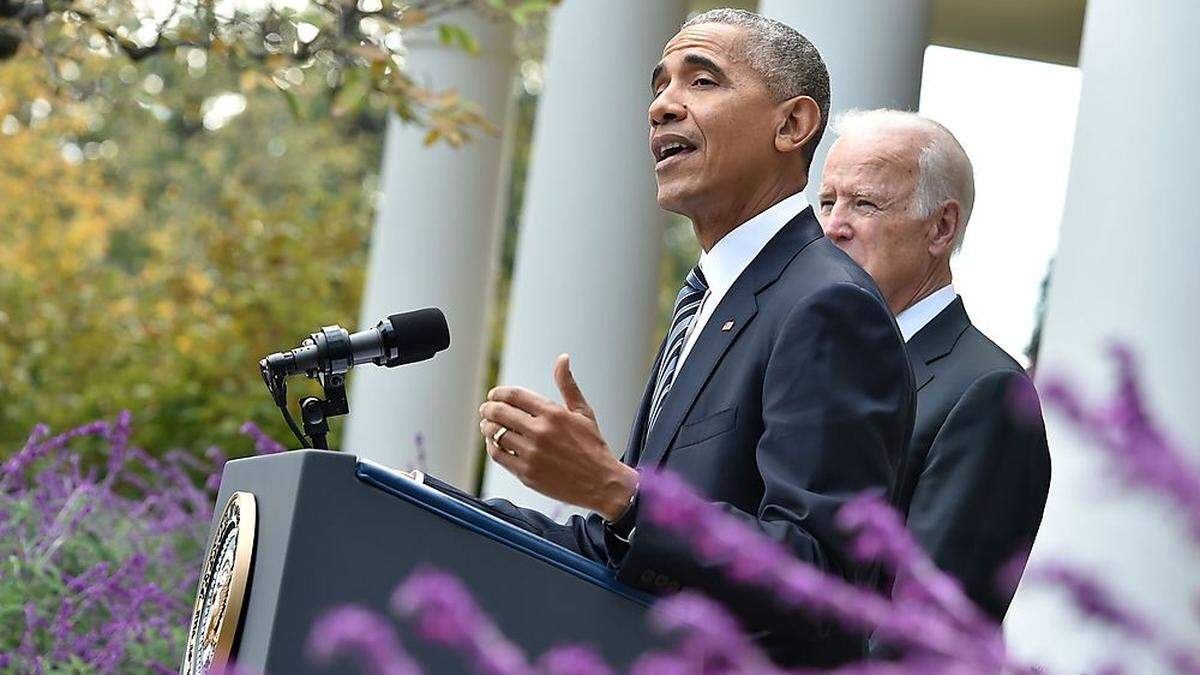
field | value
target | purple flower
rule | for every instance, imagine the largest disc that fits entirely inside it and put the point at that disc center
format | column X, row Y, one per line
column 263, row 444
column 422, row 463
column 1140, row 452
column 941, row 624
column 94, row 547
column 363, row 634
column 711, row 639
column 573, row 660
column 445, row 613
column 1093, row 599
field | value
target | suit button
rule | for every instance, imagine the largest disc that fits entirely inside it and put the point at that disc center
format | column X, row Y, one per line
column 661, row 581
column 674, row 585
column 648, row 577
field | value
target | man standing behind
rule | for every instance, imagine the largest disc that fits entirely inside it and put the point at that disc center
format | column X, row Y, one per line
column 896, row 194
column 781, row 390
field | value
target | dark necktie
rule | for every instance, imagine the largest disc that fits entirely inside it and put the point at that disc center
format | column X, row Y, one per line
column 687, row 306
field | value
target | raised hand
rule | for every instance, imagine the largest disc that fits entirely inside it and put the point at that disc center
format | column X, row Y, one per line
column 555, row 449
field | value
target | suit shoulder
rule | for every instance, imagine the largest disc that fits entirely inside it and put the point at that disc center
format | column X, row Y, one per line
column 976, row 366
column 977, row 355
column 822, row 265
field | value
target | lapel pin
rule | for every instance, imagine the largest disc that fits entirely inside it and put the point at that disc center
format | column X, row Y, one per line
column 728, row 326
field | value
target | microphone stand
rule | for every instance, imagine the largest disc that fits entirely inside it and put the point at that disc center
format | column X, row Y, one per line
column 315, row 412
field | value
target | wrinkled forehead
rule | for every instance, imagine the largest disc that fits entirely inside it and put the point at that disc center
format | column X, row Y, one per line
column 880, row 161
column 717, row 41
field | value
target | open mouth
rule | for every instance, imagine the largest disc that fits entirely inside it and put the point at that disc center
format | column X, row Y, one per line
column 671, row 152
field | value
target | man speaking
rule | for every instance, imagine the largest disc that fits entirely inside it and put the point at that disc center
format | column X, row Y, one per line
column 781, row 389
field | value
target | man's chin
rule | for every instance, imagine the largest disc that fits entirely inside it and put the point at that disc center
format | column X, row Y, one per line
column 672, row 200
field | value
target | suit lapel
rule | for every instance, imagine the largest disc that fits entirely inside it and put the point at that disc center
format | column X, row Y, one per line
column 936, row 339
column 739, row 306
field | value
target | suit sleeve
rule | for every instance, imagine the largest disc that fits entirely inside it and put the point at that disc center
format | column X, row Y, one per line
column 981, row 493
column 837, row 410
column 585, row 535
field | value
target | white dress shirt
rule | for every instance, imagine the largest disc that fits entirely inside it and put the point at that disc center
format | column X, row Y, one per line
column 732, row 255
column 914, row 318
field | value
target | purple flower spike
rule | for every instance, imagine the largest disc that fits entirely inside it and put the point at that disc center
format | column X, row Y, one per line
column 1093, row 599
column 1139, row 450
column 422, row 462
column 879, row 533
column 573, row 660
column 446, row 614
column 936, row 620
column 351, row 630
column 263, row 444
column 710, row 635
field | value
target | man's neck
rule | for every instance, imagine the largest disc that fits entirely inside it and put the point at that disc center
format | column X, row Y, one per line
column 939, row 276
column 711, row 225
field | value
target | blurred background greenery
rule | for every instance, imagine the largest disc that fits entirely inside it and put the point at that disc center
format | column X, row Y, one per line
column 168, row 217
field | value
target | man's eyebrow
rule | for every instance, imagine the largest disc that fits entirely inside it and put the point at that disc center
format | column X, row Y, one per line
column 704, row 63
column 696, row 60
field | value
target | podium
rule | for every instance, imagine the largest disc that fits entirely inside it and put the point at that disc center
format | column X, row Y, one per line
column 325, row 528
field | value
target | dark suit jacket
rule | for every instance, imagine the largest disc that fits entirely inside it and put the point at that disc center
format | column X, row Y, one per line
column 978, row 464
column 804, row 402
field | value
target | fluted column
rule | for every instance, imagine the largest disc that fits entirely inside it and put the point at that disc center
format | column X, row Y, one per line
column 435, row 244
column 874, row 51
column 587, row 263
column 1126, row 270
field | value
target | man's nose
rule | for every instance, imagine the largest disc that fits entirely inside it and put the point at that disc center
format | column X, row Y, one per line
column 837, row 225
column 666, row 108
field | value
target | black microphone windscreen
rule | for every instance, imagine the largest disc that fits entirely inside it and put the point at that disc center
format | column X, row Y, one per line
column 418, row 334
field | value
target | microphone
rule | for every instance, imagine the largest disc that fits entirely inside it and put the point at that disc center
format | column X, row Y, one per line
column 407, row 337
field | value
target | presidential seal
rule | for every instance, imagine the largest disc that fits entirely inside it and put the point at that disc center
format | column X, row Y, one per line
column 223, row 579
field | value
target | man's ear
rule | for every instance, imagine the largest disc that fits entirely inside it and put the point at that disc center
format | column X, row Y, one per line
column 944, row 230
column 799, row 122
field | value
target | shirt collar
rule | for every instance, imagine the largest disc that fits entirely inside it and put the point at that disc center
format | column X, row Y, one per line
column 724, row 263
column 913, row 319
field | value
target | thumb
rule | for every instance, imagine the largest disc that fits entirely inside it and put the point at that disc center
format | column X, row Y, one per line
column 572, row 397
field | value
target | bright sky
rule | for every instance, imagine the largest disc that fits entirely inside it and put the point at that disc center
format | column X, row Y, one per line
column 1016, row 120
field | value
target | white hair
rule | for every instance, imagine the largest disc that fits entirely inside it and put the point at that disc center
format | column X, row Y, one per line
column 944, row 170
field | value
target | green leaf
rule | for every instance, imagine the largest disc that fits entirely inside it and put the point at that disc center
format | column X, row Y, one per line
column 353, row 92
column 457, row 36
column 293, row 103
column 528, row 10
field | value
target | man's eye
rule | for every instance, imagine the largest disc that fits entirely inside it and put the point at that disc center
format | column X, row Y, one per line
column 704, row 81
column 864, row 204
column 826, row 204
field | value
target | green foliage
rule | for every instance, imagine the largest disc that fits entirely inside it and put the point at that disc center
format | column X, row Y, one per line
column 151, row 254
column 351, row 48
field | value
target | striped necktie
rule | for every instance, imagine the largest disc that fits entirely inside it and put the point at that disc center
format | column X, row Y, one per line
column 687, row 306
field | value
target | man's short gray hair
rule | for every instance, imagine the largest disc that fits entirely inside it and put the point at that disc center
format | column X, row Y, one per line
column 787, row 62
column 945, row 171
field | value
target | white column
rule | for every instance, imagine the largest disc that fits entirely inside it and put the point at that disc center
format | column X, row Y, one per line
column 586, row 278
column 435, row 244
column 874, row 51
column 1126, row 270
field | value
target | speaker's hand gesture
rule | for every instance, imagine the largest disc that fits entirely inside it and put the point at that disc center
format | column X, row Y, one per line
column 556, row 449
